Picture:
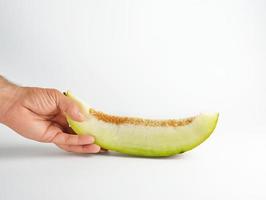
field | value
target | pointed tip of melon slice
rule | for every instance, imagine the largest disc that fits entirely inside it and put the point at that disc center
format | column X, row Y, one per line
column 144, row 137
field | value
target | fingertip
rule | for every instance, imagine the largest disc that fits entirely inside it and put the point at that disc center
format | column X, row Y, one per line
column 76, row 114
column 80, row 116
column 88, row 139
column 93, row 148
column 70, row 108
column 90, row 148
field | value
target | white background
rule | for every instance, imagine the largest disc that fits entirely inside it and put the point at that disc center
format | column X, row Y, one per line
column 150, row 58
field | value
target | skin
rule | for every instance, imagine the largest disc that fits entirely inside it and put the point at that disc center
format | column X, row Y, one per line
column 40, row 114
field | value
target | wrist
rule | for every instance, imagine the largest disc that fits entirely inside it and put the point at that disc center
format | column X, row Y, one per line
column 8, row 96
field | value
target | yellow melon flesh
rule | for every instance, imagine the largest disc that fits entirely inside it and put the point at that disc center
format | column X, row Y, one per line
column 144, row 137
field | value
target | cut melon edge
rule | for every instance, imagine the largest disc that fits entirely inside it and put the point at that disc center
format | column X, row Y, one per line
column 139, row 151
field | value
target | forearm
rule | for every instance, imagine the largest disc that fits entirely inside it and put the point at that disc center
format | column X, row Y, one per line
column 8, row 94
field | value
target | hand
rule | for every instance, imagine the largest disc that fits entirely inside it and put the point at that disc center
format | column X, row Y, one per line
column 39, row 114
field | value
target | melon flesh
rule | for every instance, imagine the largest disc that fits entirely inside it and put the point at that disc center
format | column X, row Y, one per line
column 144, row 137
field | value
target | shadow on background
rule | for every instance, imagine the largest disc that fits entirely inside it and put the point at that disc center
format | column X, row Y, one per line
column 9, row 152
column 116, row 154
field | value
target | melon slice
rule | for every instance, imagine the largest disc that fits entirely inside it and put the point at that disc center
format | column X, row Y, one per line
column 143, row 137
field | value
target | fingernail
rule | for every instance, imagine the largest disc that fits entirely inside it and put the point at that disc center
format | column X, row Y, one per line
column 96, row 149
column 90, row 139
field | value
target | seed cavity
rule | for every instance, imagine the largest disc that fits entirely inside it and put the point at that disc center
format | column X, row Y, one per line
column 139, row 121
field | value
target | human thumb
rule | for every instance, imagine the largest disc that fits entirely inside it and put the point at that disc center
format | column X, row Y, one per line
column 70, row 108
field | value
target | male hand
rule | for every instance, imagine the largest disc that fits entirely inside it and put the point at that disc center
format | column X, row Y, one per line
column 40, row 114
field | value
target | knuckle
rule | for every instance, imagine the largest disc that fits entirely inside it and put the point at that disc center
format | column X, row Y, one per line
column 53, row 90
